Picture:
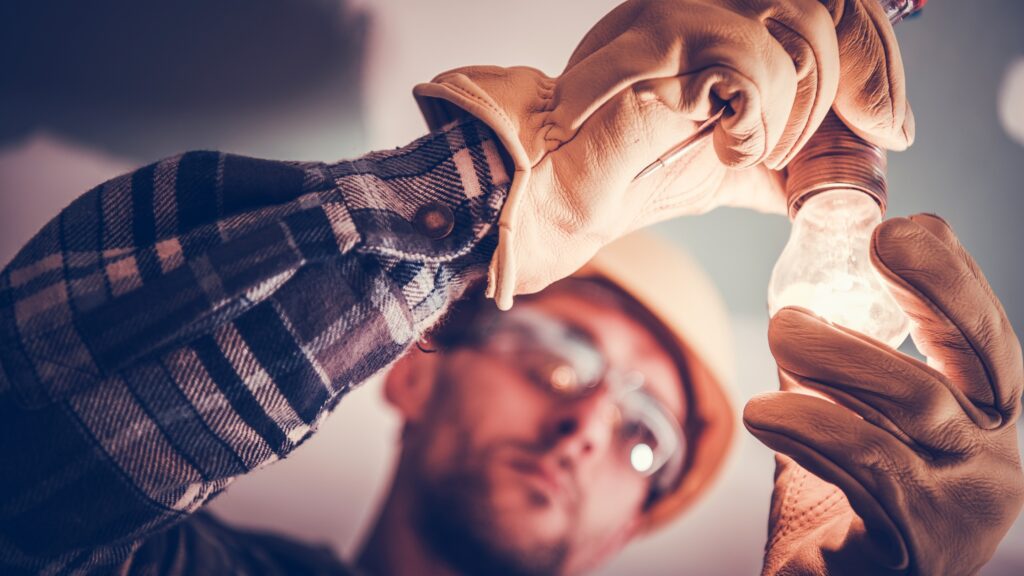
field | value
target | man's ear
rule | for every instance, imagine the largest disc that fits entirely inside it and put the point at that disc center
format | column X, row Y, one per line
column 409, row 384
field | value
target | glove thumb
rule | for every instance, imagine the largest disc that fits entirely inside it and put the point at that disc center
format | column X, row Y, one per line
column 872, row 96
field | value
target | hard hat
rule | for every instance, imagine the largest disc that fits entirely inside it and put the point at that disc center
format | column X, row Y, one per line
column 670, row 285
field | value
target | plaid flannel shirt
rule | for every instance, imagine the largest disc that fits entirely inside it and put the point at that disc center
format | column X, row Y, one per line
column 182, row 325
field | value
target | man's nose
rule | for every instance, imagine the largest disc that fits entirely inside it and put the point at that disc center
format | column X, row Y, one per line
column 582, row 429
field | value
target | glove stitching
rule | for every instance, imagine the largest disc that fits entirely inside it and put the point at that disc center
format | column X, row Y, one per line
column 791, row 502
column 785, row 511
column 806, row 518
column 897, row 529
column 817, row 509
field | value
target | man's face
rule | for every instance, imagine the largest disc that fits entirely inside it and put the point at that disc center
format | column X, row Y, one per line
column 513, row 478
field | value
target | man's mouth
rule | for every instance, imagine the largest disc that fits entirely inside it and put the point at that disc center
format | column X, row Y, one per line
column 551, row 482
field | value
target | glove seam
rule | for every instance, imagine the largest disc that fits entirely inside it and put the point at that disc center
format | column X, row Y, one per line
column 482, row 101
column 822, row 506
column 905, row 542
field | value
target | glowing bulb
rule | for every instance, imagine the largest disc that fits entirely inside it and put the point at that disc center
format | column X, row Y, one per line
column 825, row 267
column 641, row 457
column 837, row 193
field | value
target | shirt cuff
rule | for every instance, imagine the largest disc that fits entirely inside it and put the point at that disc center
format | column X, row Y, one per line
column 436, row 200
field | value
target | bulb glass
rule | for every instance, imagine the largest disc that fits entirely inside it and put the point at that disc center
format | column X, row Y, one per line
column 826, row 268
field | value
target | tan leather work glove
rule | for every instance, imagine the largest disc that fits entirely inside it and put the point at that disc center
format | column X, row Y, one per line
column 913, row 468
column 640, row 82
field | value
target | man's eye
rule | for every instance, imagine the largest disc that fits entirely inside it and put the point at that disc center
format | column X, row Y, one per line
column 548, row 372
column 634, row 432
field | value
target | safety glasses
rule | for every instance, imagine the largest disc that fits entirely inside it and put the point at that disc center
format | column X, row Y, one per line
column 564, row 361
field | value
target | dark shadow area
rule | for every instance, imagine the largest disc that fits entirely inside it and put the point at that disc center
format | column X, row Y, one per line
column 151, row 78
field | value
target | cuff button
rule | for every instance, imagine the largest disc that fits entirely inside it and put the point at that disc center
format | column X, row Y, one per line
column 434, row 220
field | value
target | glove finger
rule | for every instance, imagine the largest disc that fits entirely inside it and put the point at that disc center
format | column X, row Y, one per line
column 893, row 391
column 872, row 97
column 801, row 503
column 956, row 321
column 792, row 85
column 612, row 25
column 870, row 466
column 750, row 69
column 942, row 230
column 805, row 32
column 625, row 134
column 636, row 126
column 633, row 43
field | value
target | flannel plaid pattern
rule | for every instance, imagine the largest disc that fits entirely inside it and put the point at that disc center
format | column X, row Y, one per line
column 196, row 319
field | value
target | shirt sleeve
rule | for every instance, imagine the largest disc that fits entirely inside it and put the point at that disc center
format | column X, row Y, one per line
column 179, row 326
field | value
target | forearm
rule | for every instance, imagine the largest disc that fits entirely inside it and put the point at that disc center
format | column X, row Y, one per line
column 192, row 321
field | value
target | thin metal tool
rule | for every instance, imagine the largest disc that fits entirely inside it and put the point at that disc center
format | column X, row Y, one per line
column 680, row 150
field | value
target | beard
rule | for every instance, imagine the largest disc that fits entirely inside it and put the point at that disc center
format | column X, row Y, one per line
column 454, row 520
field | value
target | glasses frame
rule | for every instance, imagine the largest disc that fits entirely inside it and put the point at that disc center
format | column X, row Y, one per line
column 474, row 333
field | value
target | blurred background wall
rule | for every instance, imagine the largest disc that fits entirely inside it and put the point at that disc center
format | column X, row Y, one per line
column 89, row 90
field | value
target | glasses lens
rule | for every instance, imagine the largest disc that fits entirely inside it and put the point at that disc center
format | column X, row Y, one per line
column 555, row 356
column 651, row 439
column 564, row 360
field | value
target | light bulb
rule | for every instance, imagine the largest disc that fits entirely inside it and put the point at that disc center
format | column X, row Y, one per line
column 837, row 194
column 825, row 267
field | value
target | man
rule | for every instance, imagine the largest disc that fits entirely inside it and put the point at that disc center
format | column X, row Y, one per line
column 190, row 322
column 541, row 440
